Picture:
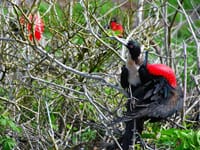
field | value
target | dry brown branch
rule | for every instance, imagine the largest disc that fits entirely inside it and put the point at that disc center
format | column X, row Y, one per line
column 185, row 81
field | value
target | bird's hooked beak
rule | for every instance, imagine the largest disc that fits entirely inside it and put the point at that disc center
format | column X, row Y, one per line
column 121, row 40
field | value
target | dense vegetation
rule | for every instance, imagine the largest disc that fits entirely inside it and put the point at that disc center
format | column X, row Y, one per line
column 63, row 91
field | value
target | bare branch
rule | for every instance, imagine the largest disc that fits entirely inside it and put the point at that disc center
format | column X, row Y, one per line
column 185, row 81
column 193, row 34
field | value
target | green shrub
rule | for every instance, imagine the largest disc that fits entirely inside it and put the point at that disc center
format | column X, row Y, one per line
column 180, row 139
column 7, row 142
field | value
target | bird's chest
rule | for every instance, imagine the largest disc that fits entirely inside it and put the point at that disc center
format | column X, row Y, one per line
column 133, row 77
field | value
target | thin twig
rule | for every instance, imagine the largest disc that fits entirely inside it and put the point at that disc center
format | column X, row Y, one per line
column 85, row 75
column 102, row 117
column 185, row 81
column 54, row 84
column 27, row 135
column 195, row 79
column 112, row 9
column 193, row 34
column 193, row 105
column 89, row 27
column 9, row 101
column 51, row 132
column 88, row 95
column 166, row 32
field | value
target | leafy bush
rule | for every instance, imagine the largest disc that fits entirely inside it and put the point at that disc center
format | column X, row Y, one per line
column 6, row 142
column 179, row 139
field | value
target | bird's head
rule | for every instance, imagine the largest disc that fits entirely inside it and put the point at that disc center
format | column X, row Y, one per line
column 134, row 49
column 113, row 23
column 113, row 19
column 116, row 27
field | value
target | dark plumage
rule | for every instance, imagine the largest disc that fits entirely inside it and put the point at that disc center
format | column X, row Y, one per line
column 134, row 49
column 124, row 77
column 155, row 98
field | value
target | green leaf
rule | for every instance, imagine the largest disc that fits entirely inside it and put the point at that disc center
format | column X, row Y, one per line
column 198, row 137
column 13, row 126
column 81, row 105
column 148, row 135
column 3, row 121
column 7, row 143
column 6, row 122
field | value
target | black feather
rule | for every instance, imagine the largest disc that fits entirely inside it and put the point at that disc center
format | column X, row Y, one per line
column 157, row 88
column 163, row 103
column 148, row 94
column 126, row 139
column 124, row 77
column 144, row 74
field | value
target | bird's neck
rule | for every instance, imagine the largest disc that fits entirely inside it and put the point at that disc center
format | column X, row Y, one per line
column 131, row 64
column 132, row 67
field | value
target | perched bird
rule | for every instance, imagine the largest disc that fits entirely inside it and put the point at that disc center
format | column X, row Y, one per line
column 116, row 27
column 154, row 92
column 130, row 80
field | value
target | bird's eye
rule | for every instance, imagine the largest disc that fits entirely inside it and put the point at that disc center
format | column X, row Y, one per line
column 130, row 46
